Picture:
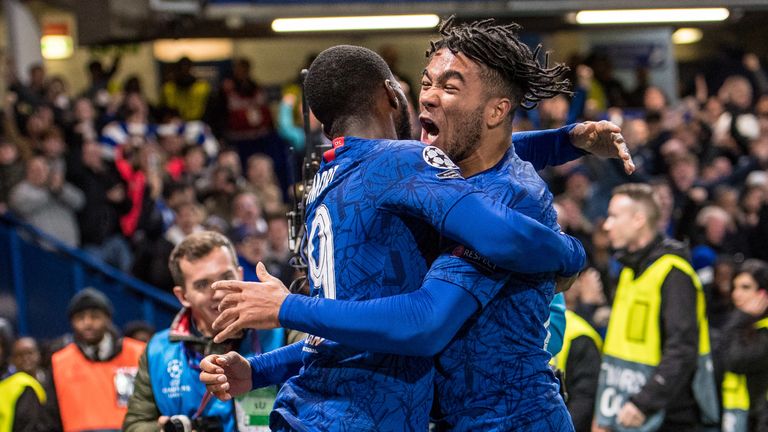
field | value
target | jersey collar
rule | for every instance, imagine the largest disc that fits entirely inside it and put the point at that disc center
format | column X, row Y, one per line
column 330, row 155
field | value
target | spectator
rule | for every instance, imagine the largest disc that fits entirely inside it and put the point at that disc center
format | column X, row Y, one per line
column 133, row 125
column 248, row 210
column 185, row 93
column 106, row 201
column 31, row 95
column 240, row 112
column 93, row 376
column 11, row 171
column 292, row 130
column 141, row 168
column 277, row 233
column 242, row 117
column 580, row 359
column 745, row 348
column 57, row 97
column 189, row 217
column 49, row 203
column 22, row 398
column 718, row 292
column 25, row 357
column 262, row 181
column 139, row 330
column 167, row 384
column 648, row 338
column 219, row 198
column 100, row 77
column 252, row 246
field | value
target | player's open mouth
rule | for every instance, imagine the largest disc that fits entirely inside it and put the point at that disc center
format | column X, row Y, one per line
column 429, row 131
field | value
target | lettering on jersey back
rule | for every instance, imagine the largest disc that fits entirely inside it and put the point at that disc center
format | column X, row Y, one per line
column 320, row 182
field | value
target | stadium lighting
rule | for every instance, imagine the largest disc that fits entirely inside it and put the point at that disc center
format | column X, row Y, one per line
column 56, row 47
column 381, row 22
column 644, row 16
column 686, row 35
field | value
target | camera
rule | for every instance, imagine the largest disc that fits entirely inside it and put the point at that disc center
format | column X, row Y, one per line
column 182, row 423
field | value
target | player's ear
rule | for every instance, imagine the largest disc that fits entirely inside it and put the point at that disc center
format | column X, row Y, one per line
column 391, row 87
column 497, row 111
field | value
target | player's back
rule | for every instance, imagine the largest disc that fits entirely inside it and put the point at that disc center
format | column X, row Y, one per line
column 361, row 247
column 494, row 374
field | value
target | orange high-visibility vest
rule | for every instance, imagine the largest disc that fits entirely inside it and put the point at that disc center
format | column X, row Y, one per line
column 92, row 395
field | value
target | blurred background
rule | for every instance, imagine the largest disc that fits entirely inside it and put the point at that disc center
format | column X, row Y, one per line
column 163, row 117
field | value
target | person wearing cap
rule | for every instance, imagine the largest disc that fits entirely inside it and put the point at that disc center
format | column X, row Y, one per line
column 93, row 375
column 167, row 383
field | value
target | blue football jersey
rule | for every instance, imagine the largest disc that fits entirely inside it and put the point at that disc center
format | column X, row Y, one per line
column 494, row 374
column 368, row 217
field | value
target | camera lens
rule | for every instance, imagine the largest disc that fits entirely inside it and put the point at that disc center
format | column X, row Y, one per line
column 178, row 423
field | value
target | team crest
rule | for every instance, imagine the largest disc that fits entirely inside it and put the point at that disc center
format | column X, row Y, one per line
column 436, row 158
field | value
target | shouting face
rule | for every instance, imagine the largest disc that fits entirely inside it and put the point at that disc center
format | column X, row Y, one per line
column 453, row 99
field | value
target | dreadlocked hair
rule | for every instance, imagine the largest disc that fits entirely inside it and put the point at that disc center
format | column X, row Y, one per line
column 511, row 65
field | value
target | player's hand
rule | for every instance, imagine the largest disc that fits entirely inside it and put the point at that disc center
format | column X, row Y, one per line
column 630, row 416
column 226, row 376
column 249, row 304
column 602, row 139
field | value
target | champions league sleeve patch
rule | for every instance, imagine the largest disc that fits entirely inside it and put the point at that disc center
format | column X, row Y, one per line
column 435, row 157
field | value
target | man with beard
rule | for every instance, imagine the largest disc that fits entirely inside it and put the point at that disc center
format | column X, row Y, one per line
column 367, row 221
column 93, row 375
column 423, row 322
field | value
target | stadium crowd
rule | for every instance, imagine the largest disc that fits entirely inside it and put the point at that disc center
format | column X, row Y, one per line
column 127, row 182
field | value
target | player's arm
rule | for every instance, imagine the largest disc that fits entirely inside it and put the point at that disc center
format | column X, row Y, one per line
column 549, row 147
column 276, row 366
column 510, row 239
column 423, row 183
column 420, row 323
column 557, row 146
column 230, row 375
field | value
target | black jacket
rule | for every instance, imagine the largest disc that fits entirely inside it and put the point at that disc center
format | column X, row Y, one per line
column 100, row 218
column 582, row 372
column 745, row 351
column 670, row 386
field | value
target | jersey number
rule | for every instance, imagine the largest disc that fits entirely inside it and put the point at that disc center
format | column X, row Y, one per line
column 321, row 270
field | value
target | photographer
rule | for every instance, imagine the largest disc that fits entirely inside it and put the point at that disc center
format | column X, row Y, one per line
column 46, row 201
column 167, row 391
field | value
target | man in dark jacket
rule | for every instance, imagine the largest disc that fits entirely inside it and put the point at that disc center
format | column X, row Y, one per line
column 657, row 338
column 106, row 200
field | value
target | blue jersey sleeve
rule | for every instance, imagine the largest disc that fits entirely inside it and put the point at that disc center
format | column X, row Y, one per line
column 545, row 148
column 512, row 240
column 470, row 271
column 421, row 181
column 417, row 180
column 556, row 327
column 420, row 323
column 276, row 366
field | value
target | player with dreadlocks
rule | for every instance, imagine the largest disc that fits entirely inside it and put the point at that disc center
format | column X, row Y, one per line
column 493, row 374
